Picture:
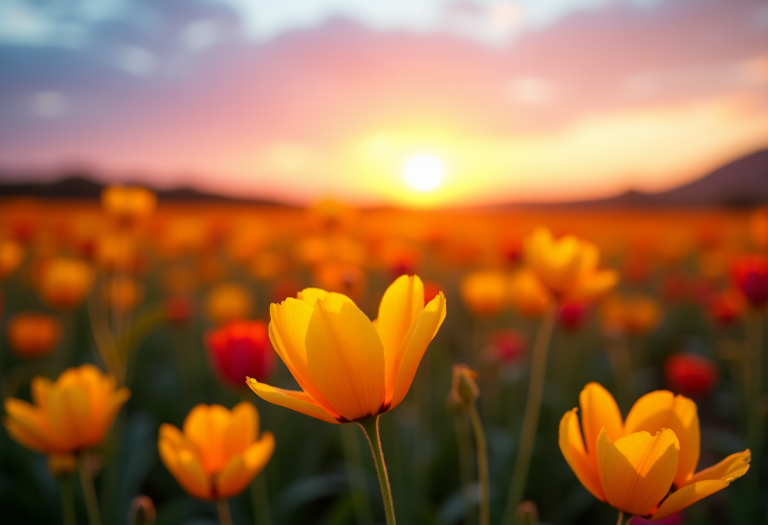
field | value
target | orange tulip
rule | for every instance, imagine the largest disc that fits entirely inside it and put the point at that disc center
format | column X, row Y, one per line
column 128, row 203
column 635, row 314
column 72, row 414
column 527, row 295
column 484, row 293
column 567, row 267
column 218, row 452
column 227, row 303
column 123, row 294
column 349, row 368
column 64, row 283
column 11, row 255
column 632, row 464
column 32, row 334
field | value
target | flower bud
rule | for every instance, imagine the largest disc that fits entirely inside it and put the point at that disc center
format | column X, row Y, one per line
column 464, row 389
column 142, row 511
column 527, row 513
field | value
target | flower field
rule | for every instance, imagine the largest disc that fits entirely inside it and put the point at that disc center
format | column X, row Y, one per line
column 201, row 363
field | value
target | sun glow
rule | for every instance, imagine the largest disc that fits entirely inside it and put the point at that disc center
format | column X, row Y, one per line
column 424, row 172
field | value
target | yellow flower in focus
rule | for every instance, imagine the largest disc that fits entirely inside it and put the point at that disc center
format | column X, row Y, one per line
column 567, row 267
column 527, row 295
column 632, row 464
column 73, row 413
column 11, row 255
column 218, row 452
column 64, row 283
column 228, row 302
column 128, row 203
column 348, row 367
column 484, row 293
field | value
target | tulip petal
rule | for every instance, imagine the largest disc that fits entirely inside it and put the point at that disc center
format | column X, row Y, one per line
column 599, row 411
column 114, row 402
column 181, row 461
column 311, row 295
column 687, row 496
column 28, row 424
column 288, row 333
column 27, row 432
column 69, row 417
column 205, row 427
column 41, row 390
column 415, row 343
column 729, row 469
column 662, row 409
column 637, row 471
column 400, row 306
column 572, row 447
column 243, row 429
column 233, row 479
column 594, row 284
column 346, row 357
column 295, row 400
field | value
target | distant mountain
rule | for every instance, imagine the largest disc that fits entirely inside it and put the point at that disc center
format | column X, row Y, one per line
column 740, row 183
column 83, row 186
column 743, row 182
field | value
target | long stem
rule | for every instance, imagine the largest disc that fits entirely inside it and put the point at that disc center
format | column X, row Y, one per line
column 465, row 465
column 371, row 428
column 621, row 363
column 89, row 492
column 482, row 464
column 67, row 501
column 753, row 379
column 225, row 517
column 260, row 500
column 531, row 417
column 354, row 460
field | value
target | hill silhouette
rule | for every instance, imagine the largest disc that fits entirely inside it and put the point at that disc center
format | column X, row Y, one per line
column 740, row 183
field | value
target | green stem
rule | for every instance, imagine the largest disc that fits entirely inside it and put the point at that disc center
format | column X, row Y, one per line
column 531, row 417
column 465, row 465
column 89, row 492
column 753, row 379
column 260, row 498
column 371, row 428
column 621, row 363
column 482, row 464
column 225, row 517
column 67, row 501
column 354, row 460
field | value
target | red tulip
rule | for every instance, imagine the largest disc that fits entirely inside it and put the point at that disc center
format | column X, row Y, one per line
column 505, row 346
column 750, row 274
column 572, row 315
column 690, row 374
column 241, row 349
column 178, row 310
column 727, row 306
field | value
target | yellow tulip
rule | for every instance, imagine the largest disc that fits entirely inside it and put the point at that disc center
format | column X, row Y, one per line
column 349, row 368
column 69, row 415
column 527, row 295
column 632, row 464
column 64, row 283
column 568, row 267
column 219, row 451
column 484, row 293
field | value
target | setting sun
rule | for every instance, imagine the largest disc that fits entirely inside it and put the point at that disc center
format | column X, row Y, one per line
column 424, row 172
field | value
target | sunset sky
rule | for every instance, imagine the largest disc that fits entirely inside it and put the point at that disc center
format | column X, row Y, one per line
column 529, row 100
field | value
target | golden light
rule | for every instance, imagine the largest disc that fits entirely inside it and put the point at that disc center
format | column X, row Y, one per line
column 424, row 172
